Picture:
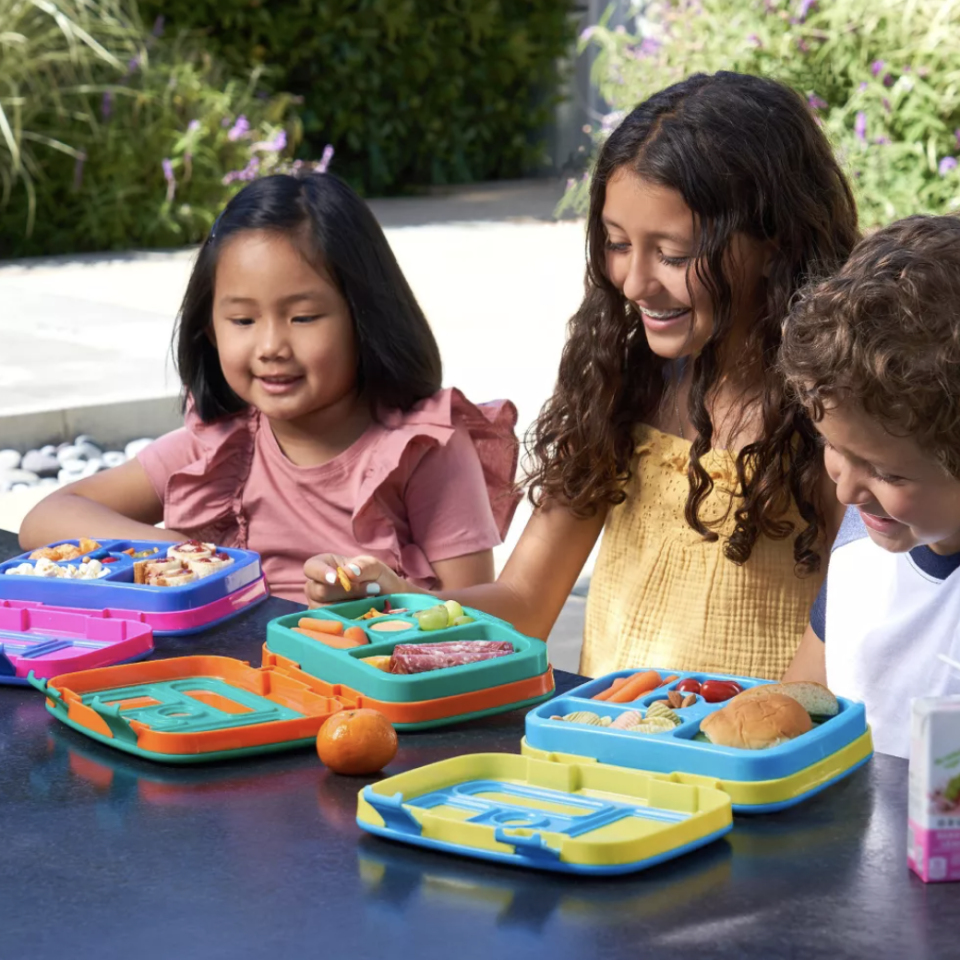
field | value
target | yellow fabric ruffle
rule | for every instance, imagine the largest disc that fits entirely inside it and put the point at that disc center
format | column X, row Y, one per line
column 662, row 596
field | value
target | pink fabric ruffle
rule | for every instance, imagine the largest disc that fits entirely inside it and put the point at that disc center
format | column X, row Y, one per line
column 205, row 497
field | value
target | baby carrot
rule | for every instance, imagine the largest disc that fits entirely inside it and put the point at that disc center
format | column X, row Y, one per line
column 669, row 679
column 334, row 627
column 636, row 686
column 612, row 689
column 329, row 639
column 355, row 634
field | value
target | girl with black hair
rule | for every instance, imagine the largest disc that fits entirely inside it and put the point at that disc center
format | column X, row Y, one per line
column 314, row 413
column 669, row 428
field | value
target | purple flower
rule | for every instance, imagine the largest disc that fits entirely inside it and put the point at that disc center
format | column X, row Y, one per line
column 882, row 141
column 106, row 105
column 157, row 30
column 860, row 127
column 325, row 159
column 650, row 45
column 886, row 105
column 817, row 103
column 876, row 68
column 888, row 80
column 226, row 122
column 78, row 170
column 193, row 126
column 754, row 40
column 863, row 85
column 946, row 165
column 802, row 45
column 587, row 34
column 169, row 177
column 804, row 10
column 239, row 129
column 280, row 141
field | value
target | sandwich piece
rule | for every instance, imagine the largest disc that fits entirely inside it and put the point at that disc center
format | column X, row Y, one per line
column 176, row 579
column 191, row 550
column 757, row 722
column 204, row 566
column 814, row 697
column 146, row 570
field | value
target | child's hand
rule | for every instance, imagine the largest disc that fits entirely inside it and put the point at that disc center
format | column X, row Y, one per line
column 332, row 578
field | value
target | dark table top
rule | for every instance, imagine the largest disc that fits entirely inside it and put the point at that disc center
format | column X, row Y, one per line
column 105, row 855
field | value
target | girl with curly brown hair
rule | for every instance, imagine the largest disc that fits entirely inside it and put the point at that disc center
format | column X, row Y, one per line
column 669, row 428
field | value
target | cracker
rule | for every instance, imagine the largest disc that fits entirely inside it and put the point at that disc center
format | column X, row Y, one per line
column 344, row 579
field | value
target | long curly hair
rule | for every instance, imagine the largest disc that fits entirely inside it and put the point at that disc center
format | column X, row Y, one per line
column 747, row 156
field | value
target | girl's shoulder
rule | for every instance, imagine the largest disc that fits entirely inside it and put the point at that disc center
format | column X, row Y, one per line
column 438, row 424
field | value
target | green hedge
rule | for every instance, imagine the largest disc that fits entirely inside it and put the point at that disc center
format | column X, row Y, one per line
column 409, row 92
column 113, row 139
column 882, row 77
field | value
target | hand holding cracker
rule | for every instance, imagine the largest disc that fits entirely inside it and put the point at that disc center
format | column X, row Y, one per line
column 332, row 578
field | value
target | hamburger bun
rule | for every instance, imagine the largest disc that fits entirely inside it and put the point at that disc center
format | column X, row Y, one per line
column 814, row 697
column 757, row 721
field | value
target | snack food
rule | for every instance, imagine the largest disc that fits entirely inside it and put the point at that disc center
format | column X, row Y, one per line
column 191, row 550
column 86, row 570
column 814, row 697
column 421, row 657
column 344, row 579
column 357, row 742
column 585, row 716
column 632, row 688
column 716, row 691
column 756, row 722
column 204, row 566
column 66, row 551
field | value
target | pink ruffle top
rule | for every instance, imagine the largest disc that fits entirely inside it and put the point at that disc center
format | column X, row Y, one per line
column 430, row 484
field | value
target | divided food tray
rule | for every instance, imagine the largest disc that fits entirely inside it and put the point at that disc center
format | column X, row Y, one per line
column 574, row 818
column 48, row 641
column 347, row 667
column 169, row 609
column 190, row 709
column 758, row 780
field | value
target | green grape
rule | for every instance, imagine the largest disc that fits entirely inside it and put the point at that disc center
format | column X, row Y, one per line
column 460, row 621
column 435, row 618
column 454, row 609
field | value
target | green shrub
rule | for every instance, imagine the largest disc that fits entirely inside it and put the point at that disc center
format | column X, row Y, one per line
column 882, row 75
column 161, row 143
column 48, row 57
column 409, row 92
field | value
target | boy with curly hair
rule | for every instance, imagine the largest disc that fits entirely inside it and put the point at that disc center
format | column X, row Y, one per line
column 874, row 355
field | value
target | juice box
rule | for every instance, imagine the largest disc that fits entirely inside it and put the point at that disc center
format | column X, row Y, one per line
column 933, row 829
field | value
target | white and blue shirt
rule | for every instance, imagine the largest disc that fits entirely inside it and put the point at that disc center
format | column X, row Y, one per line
column 884, row 618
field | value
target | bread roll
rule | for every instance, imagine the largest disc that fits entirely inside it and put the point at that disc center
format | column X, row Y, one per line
column 814, row 697
column 757, row 721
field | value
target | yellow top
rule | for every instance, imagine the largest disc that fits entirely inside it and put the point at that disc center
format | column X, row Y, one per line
column 662, row 596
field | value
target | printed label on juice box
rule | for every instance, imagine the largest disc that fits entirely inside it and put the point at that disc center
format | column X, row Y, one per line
column 933, row 835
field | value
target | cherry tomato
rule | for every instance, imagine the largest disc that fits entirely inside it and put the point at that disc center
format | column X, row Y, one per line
column 688, row 686
column 715, row 691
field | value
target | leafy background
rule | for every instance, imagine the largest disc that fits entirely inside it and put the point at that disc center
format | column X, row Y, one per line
column 883, row 77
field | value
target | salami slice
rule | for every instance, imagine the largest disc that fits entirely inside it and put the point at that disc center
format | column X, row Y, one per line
column 421, row 657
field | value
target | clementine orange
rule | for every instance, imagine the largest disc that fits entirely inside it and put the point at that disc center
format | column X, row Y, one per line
column 357, row 742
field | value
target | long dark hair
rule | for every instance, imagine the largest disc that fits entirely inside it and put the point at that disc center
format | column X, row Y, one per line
column 747, row 157
column 399, row 361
